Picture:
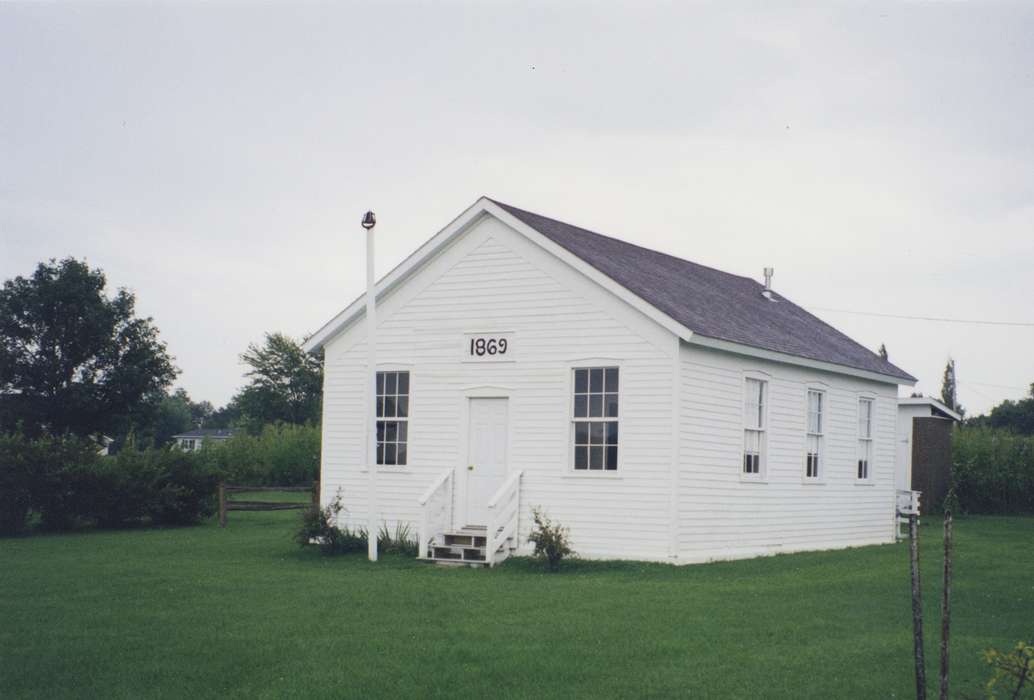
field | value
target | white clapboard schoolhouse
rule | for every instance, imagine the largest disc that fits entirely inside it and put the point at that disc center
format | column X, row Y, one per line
column 661, row 409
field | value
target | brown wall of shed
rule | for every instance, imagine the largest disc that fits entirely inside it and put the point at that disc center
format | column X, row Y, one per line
column 931, row 460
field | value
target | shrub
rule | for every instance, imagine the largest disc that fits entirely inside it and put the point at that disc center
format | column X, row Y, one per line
column 399, row 541
column 281, row 455
column 993, row 471
column 319, row 526
column 551, row 540
column 184, row 491
column 61, row 470
column 15, row 495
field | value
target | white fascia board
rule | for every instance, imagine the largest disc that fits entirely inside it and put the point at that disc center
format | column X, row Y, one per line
column 437, row 244
column 929, row 401
column 636, row 302
column 397, row 276
column 786, row 358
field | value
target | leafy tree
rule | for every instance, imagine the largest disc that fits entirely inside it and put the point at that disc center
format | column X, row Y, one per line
column 74, row 360
column 286, row 383
column 949, row 388
column 1016, row 416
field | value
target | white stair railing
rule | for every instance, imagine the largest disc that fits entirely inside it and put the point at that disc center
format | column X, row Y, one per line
column 907, row 504
column 435, row 511
column 503, row 518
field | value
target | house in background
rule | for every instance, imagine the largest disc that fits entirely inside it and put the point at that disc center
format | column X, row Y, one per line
column 192, row 440
column 661, row 409
column 924, row 447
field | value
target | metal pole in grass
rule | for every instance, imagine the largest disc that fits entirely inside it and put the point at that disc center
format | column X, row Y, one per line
column 946, row 605
column 369, row 221
column 917, row 607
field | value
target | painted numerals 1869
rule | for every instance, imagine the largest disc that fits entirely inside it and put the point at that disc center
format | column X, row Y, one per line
column 480, row 347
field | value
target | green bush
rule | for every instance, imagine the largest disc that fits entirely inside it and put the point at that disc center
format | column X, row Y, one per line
column 993, row 471
column 69, row 484
column 281, row 455
column 551, row 540
column 319, row 527
column 15, row 494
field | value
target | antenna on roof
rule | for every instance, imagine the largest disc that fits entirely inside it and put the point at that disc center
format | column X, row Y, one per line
column 769, row 271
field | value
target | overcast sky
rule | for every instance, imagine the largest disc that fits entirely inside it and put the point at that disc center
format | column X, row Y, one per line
column 217, row 159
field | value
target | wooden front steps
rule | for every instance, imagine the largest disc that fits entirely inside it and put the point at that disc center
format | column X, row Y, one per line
column 463, row 547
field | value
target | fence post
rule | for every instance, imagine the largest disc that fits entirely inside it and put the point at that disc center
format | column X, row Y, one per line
column 946, row 605
column 917, row 607
column 222, row 505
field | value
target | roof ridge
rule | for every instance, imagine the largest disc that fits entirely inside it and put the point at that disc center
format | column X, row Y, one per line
column 623, row 241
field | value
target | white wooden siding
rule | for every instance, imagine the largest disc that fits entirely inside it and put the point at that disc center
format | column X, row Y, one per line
column 723, row 516
column 493, row 279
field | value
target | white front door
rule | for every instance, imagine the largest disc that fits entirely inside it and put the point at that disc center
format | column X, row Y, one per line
column 486, row 456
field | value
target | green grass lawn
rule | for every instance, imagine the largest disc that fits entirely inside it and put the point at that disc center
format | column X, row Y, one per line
column 243, row 612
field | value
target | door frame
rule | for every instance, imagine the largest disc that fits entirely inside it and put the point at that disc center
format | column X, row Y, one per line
column 460, row 470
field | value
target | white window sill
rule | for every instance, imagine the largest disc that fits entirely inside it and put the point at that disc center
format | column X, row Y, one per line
column 753, row 480
column 813, row 482
column 590, row 475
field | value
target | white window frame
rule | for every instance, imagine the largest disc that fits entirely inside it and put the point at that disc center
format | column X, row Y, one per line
column 819, row 435
column 392, row 369
column 749, row 425
column 189, row 444
column 573, row 420
column 865, row 443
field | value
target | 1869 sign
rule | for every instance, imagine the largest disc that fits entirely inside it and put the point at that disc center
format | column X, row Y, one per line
column 488, row 347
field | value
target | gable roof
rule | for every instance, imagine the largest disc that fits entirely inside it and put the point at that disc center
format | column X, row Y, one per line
column 701, row 304
column 710, row 302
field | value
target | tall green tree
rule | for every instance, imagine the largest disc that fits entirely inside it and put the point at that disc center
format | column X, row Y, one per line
column 949, row 388
column 286, row 383
column 73, row 359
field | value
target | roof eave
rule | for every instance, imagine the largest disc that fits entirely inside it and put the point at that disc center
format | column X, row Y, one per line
column 786, row 358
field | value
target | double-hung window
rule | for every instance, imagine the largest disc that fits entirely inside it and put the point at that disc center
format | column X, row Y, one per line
column 392, row 418
column 755, row 397
column 595, row 418
column 813, row 456
column 864, row 438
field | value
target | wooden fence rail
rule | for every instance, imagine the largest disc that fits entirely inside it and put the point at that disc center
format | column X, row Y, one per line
column 227, row 504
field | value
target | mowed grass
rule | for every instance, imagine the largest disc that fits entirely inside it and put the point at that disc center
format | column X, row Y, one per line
column 243, row 612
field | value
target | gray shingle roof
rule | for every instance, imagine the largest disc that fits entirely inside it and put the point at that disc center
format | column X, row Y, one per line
column 216, row 433
column 710, row 302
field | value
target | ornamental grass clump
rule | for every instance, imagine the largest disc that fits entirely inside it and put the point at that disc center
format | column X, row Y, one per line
column 551, row 540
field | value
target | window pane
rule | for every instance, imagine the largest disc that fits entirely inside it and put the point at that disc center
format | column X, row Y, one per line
column 612, row 405
column 389, row 406
column 380, row 431
column 389, row 453
column 581, row 433
column 403, row 406
column 612, row 457
column 595, row 406
column 595, row 458
column 612, row 433
column 581, row 457
column 380, row 382
column 403, row 431
column 596, row 381
column 596, row 433
column 380, row 453
column 612, row 379
column 403, row 382
column 581, row 409
column 391, row 383
column 380, row 406
column 581, row 381
column 391, row 431
column 401, row 453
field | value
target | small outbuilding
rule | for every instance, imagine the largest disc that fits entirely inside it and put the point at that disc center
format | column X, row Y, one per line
column 661, row 409
column 923, row 461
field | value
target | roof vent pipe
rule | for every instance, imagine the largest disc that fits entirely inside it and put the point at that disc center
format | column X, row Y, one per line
column 768, row 283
